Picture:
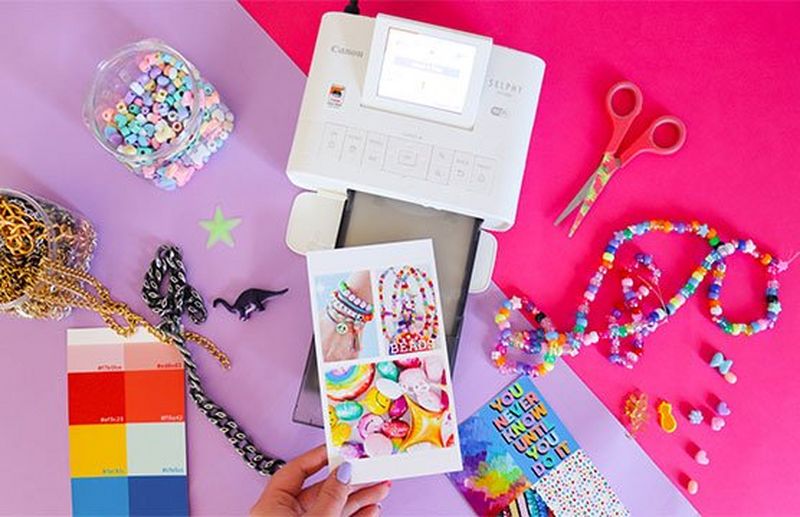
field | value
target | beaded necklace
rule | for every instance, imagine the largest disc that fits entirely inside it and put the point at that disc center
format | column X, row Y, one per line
column 409, row 319
column 544, row 339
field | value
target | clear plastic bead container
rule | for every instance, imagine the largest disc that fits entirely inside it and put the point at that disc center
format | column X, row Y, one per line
column 33, row 228
column 152, row 110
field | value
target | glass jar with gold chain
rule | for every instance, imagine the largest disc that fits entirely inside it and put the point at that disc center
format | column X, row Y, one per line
column 36, row 234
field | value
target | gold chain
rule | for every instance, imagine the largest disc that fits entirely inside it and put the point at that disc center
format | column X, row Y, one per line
column 19, row 230
column 66, row 289
column 24, row 270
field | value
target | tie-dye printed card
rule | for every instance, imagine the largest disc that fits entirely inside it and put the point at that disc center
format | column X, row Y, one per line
column 516, row 443
column 507, row 445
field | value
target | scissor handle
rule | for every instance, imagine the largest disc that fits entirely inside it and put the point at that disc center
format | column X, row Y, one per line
column 646, row 143
column 622, row 121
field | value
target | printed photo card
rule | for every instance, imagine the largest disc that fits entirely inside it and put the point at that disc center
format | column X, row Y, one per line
column 383, row 366
column 521, row 460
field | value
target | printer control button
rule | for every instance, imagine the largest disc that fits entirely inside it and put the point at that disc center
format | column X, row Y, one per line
column 482, row 175
column 441, row 162
column 374, row 152
column 463, row 164
column 332, row 139
column 353, row 147
column 407, row 158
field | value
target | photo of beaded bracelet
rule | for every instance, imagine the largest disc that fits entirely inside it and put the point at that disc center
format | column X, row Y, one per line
column 409, row 316
column 345, row 310
column 348, row 311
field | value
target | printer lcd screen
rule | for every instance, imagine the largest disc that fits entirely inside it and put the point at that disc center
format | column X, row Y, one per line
column 426, row 70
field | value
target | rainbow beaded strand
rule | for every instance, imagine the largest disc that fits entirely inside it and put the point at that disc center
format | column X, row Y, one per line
column 544, row 339
column 404, row 322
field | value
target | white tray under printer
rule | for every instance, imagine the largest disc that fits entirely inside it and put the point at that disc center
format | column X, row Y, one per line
column 403, row 122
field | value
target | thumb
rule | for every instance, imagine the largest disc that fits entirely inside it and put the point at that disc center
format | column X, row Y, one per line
column 333, row 492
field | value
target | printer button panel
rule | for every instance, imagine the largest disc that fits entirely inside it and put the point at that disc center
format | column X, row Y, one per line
column 366, row 151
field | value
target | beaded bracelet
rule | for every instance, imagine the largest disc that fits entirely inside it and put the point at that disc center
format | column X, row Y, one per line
column 348, row 312
column 349, row 298
column 551, row 344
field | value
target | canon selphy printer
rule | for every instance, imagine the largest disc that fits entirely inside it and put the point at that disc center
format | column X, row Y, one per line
column 409, row 130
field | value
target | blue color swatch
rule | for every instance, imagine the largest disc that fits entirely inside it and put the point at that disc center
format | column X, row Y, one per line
column 158, row 495
column 100, row 496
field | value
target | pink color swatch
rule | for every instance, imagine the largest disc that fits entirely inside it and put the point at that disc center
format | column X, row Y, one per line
column 96, row 358
column 152, row 358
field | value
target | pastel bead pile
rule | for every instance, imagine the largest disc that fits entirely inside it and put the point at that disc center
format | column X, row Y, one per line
column 158, row 111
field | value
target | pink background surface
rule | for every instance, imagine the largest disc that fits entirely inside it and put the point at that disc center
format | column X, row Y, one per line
column 730, row 71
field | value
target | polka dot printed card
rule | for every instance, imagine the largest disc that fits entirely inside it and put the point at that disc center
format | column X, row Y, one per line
column 383, row 364
column 520, row 459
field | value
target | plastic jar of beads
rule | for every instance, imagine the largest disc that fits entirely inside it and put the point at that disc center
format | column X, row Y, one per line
column 37, row 236
column 151, row 109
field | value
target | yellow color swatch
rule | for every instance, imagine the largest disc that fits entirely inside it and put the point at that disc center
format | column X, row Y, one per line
column 98, row 450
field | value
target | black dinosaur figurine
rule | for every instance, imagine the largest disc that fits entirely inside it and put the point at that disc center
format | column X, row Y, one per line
column 250, row 301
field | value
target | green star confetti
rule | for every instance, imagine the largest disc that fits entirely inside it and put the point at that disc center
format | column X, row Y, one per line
column 219, row 229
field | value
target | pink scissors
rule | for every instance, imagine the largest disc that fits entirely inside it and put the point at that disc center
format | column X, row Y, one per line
column 615, row 158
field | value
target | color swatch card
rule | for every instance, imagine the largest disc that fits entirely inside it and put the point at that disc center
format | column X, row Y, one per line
column 382, row 356
column 520, row 459
column 127, row 430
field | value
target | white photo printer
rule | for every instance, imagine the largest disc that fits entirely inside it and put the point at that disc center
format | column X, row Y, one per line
column 408, row 131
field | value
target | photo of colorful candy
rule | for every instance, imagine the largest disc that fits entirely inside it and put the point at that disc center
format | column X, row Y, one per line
column 389, row 407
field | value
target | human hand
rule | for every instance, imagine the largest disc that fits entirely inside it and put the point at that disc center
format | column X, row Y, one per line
column 285, row 496
column 335, row 346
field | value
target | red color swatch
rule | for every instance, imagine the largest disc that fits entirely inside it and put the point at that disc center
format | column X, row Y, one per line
column 96, row 398
column 154, row 396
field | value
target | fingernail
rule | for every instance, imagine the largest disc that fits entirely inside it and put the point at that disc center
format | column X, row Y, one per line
column 344, row 472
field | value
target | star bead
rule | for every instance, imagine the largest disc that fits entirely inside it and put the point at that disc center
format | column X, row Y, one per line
column 219, row 228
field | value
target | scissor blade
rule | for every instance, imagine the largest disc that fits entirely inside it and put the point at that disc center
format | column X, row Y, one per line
column 577, row 200
column 595, row 188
